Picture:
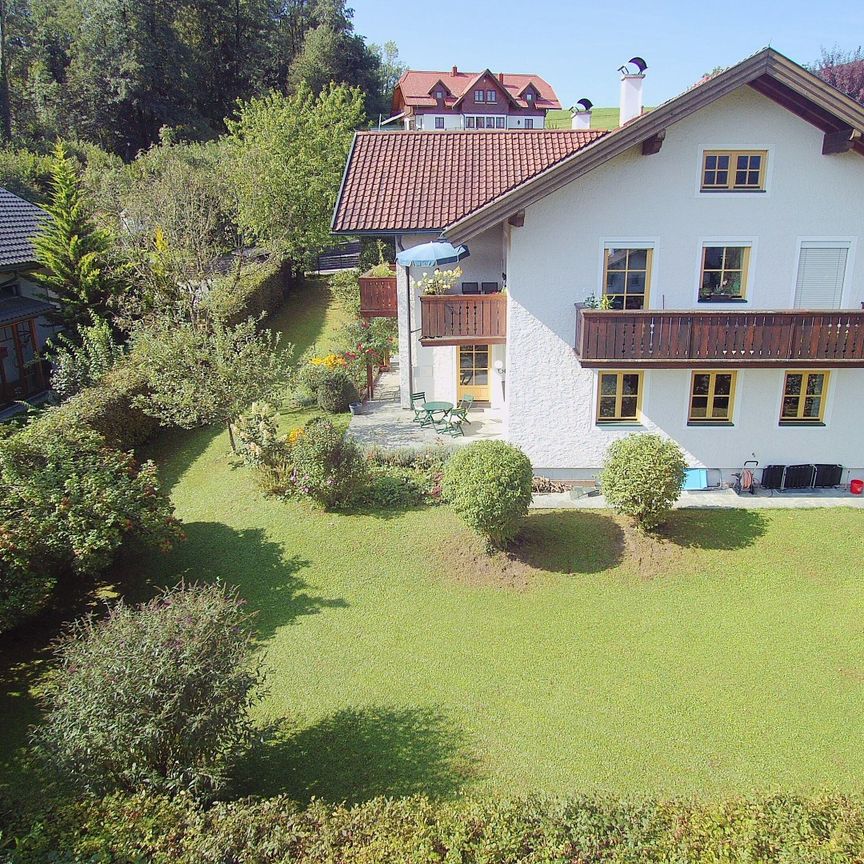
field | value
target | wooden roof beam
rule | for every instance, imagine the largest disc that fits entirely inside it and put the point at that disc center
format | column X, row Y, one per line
column 652, row 145
column 841, row 141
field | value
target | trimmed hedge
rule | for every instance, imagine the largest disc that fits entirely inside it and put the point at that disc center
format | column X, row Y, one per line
column 779, row 828
column 261, row 289
column 107, row 408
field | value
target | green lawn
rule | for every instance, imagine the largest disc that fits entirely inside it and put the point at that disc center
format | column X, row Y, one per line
column 601, row 118
column 727, row 659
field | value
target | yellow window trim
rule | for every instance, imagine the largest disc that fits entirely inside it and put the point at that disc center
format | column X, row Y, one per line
column 730, row 185
column 619, row 395
column 745, row 267
column 649, row 260
column 800, row 417
column 712, row 382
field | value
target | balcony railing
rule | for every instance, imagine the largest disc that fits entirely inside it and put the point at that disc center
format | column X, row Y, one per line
column 670, row 339
column 378, row 296
column 457, row 319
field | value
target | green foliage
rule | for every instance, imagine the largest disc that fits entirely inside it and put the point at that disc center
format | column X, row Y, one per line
column 287, row 158
column 336, row 392
column 82, row 361
column 152, row 698
column 205, row 372
column 25, row 173
column 261, row 447
column 775, row 829
column 76, row 254
column 374, row 251
column 257, row 290
column 488, row 484
column 345, row 287
column 642, row 478
column 328, row 467
column 403, row 478
column 68, row 503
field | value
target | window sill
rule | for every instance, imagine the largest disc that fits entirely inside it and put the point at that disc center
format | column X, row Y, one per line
column 709, row 423
column 619, row 424
column 732, row 191
column 801, row 423
column 722, row 299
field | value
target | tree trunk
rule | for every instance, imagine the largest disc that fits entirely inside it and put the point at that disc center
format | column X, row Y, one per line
column 231, row 436
column 5, row 107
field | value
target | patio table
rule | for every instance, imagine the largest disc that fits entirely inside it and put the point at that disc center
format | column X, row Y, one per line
column 433, row 408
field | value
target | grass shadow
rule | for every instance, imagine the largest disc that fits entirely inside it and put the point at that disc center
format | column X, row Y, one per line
column 267, row 579
column 356, row 754
column 176, row 450
column 714, row 529
column 570, row 541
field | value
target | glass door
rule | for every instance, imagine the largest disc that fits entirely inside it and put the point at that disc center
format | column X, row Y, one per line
column 473, row 372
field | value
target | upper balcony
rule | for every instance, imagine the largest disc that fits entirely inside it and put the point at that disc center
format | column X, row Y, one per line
column 378, row 296
column 667, row 339
column 463, row 319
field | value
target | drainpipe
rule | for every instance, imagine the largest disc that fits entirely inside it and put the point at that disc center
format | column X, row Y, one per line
column 410, row 335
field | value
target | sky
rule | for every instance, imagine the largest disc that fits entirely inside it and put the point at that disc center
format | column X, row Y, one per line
column 578, row 47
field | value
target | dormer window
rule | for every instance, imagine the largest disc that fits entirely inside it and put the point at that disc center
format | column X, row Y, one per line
column 439, row 95
column 529, row 96
column 479, row 95
column 491, row 96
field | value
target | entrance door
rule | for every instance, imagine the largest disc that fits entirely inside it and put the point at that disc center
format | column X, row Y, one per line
column 474, row 372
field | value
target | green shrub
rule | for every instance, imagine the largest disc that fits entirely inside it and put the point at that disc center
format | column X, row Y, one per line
column 489, row 485
column 260, row 289
column 82, row 362
column 68, row 503
column 345, row 288
column 778, row 829
column 642, row 478
column 328, row 467
column 154, row 697
column 336, row 392
column 261, row 447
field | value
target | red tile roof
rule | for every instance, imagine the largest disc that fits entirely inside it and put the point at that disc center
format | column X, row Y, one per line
column 415, row 87
column 403, row 181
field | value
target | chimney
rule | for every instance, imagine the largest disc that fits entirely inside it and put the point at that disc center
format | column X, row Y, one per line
column 455, row 70
column 581, row 118
column 631, row 89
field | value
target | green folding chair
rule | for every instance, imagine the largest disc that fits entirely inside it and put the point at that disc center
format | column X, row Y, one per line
column 418, row 400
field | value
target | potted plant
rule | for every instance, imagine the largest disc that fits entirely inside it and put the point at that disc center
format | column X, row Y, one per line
column 439, row 281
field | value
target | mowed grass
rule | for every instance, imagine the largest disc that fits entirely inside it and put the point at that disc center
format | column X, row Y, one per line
column 726, row 659
column 601, row 118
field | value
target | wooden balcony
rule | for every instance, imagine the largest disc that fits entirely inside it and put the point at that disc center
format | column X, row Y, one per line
column 378, row 296
column 457, row 319
column 666, row 339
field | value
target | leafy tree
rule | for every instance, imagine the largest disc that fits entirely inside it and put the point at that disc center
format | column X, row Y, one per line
column 288, row 154
column 488, row 484
column 68, row 502
column 843, row 70
column 642, row 478
column 153, row 697
column 391, row 69
column 200, row 372
column 76, row 253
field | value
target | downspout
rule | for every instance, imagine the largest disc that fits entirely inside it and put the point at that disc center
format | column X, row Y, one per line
column 410, row 334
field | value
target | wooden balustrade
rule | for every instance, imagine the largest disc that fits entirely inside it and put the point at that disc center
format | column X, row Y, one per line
column 378, row 296
column 463, row 319
column 646, row 338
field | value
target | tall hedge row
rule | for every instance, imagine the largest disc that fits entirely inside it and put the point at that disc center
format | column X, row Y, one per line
column 261, row 288
column 780, row 828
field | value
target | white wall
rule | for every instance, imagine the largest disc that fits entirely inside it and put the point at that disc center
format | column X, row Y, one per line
column 556, row 260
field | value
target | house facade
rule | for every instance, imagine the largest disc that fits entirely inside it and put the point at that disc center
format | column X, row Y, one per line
column 24, row 326
column 696, row 273
column 438, row 101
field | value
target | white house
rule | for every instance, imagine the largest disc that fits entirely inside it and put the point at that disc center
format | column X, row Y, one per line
column 719, row 234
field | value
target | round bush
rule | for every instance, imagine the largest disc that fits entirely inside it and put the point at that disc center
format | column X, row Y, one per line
column 642, row 478
column 328, row 467
column 336, row 392
column 489, row 485
column 153, row 698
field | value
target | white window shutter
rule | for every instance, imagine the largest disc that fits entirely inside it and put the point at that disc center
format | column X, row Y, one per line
column 821, row 273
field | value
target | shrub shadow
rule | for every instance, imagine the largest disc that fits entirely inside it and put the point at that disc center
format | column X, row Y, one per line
column 713, row 528
column 356, row 754
column 570, row 541
column 267, row 579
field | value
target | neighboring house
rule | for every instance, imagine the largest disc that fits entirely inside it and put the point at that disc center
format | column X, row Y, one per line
column 723, row 230
column 472, row 100
column 23, row 307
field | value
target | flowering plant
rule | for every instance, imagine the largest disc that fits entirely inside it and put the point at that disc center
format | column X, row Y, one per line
column 330, row 361
column 440, row 281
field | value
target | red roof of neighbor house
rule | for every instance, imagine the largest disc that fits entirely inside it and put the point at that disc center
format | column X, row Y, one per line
column 415, row 87
column 423, row 181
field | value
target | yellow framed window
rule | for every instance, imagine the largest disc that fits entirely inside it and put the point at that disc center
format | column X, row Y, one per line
column 804, row 397
column 627, row 277
column 734, row 170
column 712, row 397
column 619, row 397
column 724, row 273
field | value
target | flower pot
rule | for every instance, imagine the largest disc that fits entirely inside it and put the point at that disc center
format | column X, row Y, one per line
column 354, row 407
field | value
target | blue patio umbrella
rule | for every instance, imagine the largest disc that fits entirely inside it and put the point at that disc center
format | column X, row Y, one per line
column 432, row 254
